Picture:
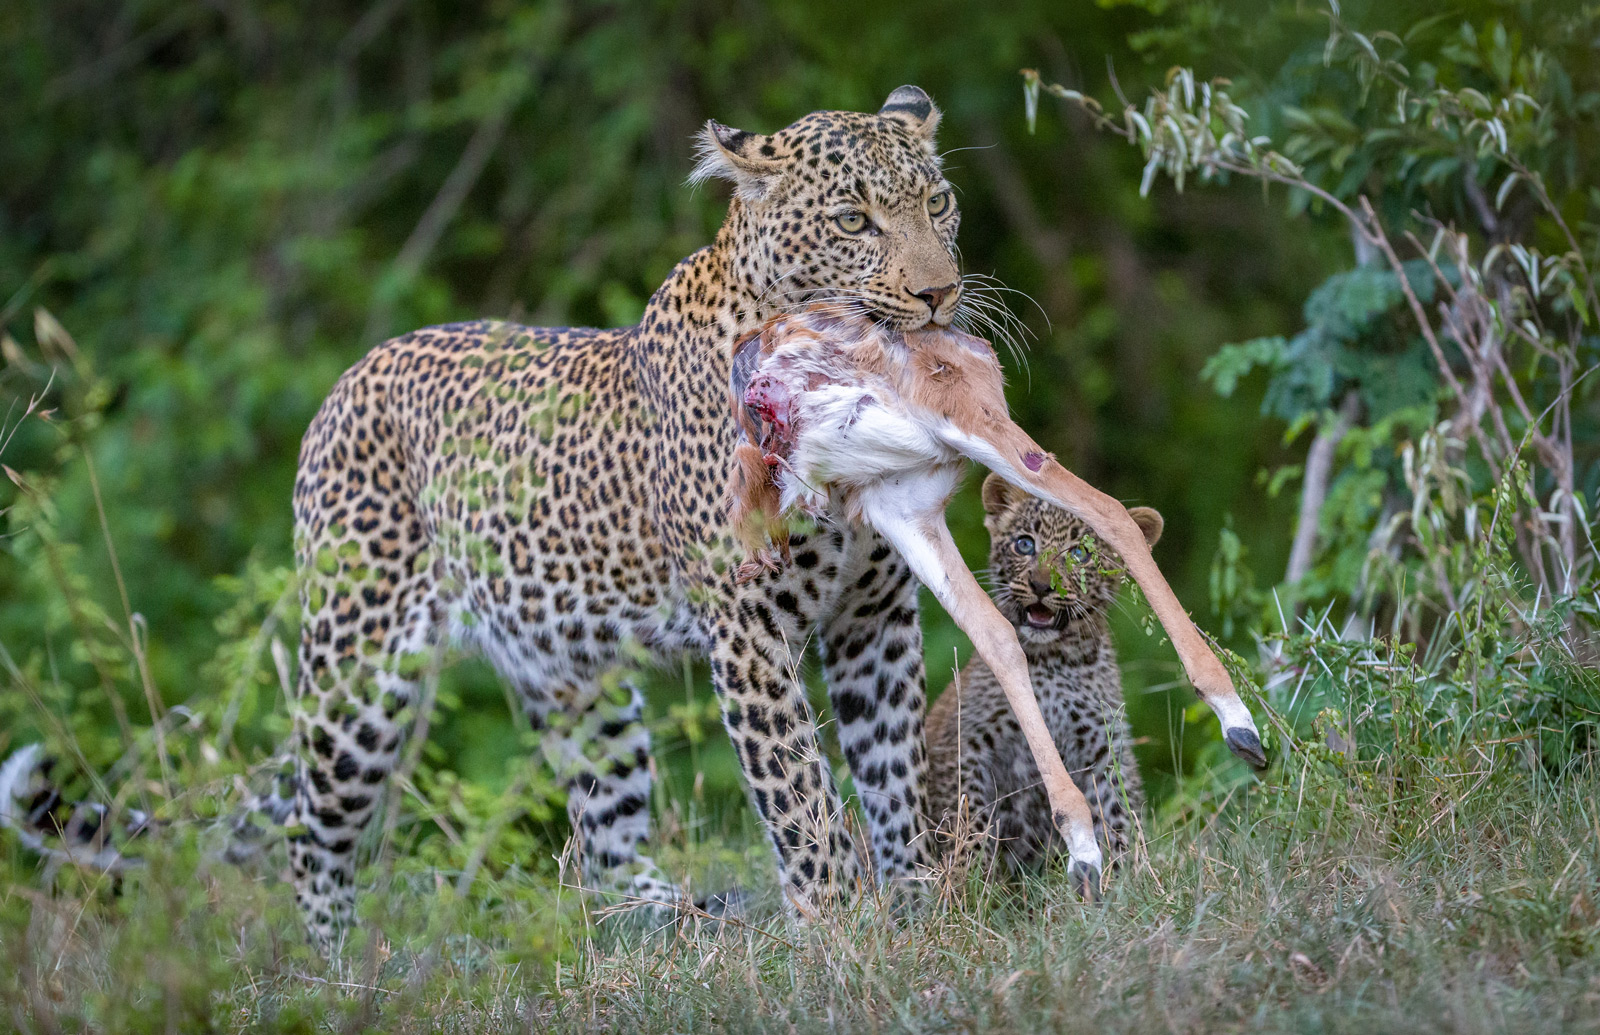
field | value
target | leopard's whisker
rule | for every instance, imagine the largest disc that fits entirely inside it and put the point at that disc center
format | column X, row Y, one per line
column 982, row 312
column 982, row 298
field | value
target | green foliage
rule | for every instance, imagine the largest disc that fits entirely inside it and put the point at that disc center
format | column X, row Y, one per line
column 1495, row 684
column 268, row 190
column 1232, row 585
column 1488, row 321
column 1447, row 489
column 1352, row 342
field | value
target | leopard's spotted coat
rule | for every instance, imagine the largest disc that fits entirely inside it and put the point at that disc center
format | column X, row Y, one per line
column 554, row 498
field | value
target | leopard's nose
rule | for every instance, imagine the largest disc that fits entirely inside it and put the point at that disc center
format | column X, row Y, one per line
column 935, row 296
column 1041, row 589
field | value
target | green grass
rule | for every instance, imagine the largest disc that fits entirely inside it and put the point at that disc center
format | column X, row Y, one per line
column 1331, row 896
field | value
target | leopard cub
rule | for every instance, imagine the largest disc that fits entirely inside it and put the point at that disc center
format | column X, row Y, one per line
column 1054, row 581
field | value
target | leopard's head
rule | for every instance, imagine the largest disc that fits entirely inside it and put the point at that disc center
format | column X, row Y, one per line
column 1046, row 569
column 843, row 208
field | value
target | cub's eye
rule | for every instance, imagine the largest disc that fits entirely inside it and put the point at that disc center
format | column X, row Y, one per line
column 1078, row 554
column 1023, row 544
column 939, row 204
column 851, row 222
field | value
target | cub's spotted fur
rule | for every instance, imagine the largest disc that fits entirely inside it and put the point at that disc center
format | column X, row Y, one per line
column 1054, row 583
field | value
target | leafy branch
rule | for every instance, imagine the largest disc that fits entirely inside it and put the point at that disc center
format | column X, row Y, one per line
column 1504, row 321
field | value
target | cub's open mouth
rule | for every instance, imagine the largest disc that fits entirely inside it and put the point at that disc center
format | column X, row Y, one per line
column 1039, row 616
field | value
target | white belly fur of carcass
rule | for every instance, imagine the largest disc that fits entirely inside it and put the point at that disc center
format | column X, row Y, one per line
column 848, row 437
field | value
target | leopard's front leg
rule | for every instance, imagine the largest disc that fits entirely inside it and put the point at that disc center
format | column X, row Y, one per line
column 755, row 657
column 872, row 657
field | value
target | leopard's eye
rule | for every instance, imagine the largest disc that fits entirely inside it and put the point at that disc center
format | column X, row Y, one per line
column 1078, row 554
column 939, row 204
column 851, row 222
column 1023, row 544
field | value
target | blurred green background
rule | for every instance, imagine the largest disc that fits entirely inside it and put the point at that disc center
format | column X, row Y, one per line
column 226, row 203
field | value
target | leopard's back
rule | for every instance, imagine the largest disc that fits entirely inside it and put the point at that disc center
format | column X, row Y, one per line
column 507, row 466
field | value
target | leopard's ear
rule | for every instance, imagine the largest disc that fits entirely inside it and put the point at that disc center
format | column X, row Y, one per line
column 911, row 106
column 1149, row 521
column 998, row 495
column 747, row 159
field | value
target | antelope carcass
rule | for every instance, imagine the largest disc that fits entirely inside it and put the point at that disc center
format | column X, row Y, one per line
column 839, row 412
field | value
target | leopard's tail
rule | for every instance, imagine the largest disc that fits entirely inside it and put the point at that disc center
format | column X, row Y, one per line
column 90, row 835
column 81, row 833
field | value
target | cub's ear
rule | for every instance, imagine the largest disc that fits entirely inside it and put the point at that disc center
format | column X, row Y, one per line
column 912, row 106
column 1149, row 522
column 998, row 495
column 747, row 159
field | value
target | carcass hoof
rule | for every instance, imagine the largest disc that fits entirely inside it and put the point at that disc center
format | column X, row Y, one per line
column 1244, row 743
column 1085, row 880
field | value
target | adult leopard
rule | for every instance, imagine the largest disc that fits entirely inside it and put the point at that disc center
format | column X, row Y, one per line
column 554, row 498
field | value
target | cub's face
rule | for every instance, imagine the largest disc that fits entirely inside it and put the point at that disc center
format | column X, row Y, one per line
column 1046, row 568
column 845, row 208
